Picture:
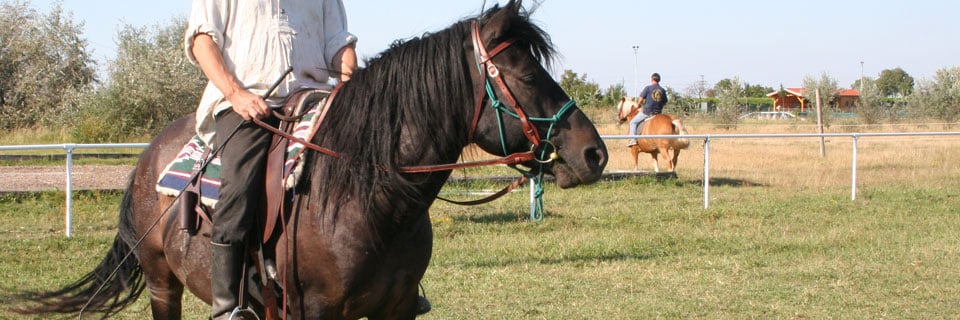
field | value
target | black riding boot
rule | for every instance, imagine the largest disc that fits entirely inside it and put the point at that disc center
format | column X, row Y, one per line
column 226, row 269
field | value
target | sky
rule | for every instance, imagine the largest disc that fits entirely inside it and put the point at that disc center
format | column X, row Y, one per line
column 769, row 43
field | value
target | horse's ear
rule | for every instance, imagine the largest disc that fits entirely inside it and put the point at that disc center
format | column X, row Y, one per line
column 495, row 27
column 622, row 99
column 514, row 6
column 500, row 20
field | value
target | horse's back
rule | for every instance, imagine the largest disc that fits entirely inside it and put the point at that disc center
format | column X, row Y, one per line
column 661, row 124
column 161, row 151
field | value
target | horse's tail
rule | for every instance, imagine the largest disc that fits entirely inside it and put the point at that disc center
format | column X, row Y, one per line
column 112, row 286
column 682, row 143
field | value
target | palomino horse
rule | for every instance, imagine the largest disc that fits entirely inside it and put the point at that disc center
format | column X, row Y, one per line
column 360, row 238
column 661, row 124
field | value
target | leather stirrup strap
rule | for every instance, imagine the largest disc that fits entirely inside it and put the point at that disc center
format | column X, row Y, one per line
column 275, row 189
column 270, row 305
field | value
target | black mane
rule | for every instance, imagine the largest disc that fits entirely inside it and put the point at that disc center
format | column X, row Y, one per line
column 412, row 103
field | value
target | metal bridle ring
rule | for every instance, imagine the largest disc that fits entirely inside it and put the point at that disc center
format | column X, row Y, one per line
column 548, row 145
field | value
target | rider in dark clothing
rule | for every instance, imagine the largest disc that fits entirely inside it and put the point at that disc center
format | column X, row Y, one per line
column 653, row 97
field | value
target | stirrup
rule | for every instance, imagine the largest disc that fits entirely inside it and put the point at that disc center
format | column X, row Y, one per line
column 245, row 314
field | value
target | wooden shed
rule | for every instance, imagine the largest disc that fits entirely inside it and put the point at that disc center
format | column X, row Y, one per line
column 791, row 99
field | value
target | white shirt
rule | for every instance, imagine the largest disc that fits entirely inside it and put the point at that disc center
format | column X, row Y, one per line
column 260, row 39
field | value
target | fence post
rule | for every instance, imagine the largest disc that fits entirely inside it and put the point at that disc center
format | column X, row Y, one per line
column 69, row 191
column 533, row 200
column 706, row 172
column 853, row 179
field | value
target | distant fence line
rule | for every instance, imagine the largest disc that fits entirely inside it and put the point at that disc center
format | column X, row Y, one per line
column 707, row 138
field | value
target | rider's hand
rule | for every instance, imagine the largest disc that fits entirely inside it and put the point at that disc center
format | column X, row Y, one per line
column 248, row 105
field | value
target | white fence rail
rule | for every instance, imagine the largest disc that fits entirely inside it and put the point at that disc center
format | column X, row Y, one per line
column 707, row 138
column 68, row 148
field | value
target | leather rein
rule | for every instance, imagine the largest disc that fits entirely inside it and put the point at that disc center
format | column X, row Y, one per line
column 487, row 70
column 484, row 63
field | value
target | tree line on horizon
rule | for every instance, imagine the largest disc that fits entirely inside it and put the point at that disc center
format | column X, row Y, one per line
column 48, row 78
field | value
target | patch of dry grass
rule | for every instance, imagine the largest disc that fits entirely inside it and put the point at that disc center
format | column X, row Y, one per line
column 795, row 164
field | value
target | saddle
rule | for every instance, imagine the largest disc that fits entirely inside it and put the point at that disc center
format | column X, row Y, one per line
column 262, row 280
column 279, row 170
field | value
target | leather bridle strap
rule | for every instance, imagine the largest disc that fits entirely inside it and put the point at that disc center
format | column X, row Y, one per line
column 513, row 159
column 305, row 143
column 489, row 70
column 290, row 137
column 486, row 69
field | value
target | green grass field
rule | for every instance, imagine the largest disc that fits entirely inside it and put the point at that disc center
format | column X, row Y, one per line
column 630, row 249
column 781, row 239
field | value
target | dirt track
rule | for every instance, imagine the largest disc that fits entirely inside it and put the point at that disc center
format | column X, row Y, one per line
column 44, row 178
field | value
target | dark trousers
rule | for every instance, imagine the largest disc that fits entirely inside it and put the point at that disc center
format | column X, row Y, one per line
column 242, row 176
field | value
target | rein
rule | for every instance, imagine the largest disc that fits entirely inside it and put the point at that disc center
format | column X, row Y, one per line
column 487, row 70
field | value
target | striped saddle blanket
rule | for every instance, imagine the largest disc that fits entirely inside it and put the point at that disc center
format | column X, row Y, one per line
column 179, row 172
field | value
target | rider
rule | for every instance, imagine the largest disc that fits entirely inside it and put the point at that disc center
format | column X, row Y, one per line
column 242, row 46
column 653, row 98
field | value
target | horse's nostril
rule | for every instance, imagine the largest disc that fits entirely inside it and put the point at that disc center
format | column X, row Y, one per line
column 596, row 156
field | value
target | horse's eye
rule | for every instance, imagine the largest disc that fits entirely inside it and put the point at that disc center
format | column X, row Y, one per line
column 528, row 78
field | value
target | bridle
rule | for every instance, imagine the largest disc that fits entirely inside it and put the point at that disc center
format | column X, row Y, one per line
column 488, row 74
column 487, row 70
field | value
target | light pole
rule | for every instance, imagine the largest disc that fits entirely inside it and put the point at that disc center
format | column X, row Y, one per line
column 636, row 65
column 700, row 87
column 861, row 77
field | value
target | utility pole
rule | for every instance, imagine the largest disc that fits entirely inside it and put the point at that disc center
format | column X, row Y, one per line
column 636, row 66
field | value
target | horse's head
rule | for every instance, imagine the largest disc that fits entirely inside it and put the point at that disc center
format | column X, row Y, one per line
column 626, row 106
column 521, row 107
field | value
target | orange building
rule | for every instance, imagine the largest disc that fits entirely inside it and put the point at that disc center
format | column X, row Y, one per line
column 792, row 100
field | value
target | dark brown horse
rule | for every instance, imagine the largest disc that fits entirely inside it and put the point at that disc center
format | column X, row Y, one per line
column 661, row 124
column 360, row 239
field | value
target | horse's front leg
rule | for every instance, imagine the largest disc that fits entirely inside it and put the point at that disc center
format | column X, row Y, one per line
column 404, row 308
column 636, row 155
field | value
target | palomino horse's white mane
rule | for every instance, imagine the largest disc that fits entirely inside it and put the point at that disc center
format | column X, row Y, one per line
column 626, row 104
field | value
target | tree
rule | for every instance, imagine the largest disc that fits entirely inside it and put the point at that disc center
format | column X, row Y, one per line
column 586, row 93
column 151, row 83
column 613, row 94
column 895, row 83
column 728, row 105
column 44, row 63
column 870, row 108
column 940, row 97
column 756, row 91
column 749, row 90
column 856, row 84
column 678, row 103
column 725, row 84
column 828, row 89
